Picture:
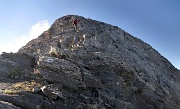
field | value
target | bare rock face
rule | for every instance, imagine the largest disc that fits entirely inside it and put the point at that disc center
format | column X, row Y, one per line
column 99, row 66
column 6, row 105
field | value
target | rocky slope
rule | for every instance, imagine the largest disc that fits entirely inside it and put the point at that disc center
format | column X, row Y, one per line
column 99, row 66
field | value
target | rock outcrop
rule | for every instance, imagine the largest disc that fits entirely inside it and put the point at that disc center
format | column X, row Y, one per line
column 99, row 66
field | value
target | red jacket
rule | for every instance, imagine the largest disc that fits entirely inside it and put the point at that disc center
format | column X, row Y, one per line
column 75, row 21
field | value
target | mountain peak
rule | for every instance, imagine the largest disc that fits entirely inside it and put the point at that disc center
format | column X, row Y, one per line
column 65, row 24
column 98, row 66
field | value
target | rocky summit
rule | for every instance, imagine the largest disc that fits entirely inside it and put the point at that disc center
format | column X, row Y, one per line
column 97, row 66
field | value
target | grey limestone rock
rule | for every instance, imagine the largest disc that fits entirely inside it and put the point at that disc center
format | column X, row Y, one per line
column 99, row 66
column 6, row 105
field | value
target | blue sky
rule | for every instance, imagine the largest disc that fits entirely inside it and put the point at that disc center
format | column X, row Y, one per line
column 157, row 22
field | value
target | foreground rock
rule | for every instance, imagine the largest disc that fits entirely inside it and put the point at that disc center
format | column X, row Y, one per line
column 100, row 66
column 6, row 105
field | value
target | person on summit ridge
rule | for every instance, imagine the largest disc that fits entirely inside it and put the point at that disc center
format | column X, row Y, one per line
column 74, row 23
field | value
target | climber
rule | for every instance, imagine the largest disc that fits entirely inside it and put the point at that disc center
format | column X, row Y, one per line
column 74, row 23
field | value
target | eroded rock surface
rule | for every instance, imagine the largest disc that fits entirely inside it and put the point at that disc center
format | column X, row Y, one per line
column 100, row 66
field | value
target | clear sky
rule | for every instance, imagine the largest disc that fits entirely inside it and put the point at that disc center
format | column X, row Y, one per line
column 157, row 22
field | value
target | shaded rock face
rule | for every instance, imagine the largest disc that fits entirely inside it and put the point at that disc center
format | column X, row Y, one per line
column 98, row 66
column 5, row 105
